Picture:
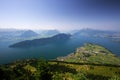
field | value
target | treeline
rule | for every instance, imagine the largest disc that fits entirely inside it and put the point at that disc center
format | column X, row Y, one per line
column 18, row 71
column 47, row 70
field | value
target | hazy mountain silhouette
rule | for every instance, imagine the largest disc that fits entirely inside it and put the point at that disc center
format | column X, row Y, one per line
column 42, row 41
column 29, row 33
column 95, row 33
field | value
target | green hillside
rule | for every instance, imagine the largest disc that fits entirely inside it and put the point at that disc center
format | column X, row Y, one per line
column 33, row 69
column 91, row 53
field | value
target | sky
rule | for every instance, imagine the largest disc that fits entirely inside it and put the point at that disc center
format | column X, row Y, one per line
column 60, row 14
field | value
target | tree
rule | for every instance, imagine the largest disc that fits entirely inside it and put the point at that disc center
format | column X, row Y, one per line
column 43, row 70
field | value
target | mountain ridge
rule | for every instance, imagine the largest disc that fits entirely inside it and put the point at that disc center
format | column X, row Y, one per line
column 42, row 41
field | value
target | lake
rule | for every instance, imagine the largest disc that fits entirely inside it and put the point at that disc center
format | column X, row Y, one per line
column 51, row 51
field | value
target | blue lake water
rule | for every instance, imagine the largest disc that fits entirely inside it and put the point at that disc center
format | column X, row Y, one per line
column 51, row 51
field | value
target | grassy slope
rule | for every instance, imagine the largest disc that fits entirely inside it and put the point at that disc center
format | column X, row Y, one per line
column 92, row 53
column 42, row 70
column 87, row 71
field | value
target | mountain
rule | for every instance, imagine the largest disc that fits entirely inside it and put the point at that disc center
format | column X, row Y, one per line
column 28, row 33
column 20, row 35
column 10, row 34
column 91, row 53
column 51, row 32
column 96, row 33
column 48, row 33
column 42, row 41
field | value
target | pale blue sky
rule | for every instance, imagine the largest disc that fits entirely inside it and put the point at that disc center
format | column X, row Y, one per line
column 60, row 14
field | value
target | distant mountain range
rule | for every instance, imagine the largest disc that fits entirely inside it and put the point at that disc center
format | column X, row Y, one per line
column 10, row 34
column 42, row 41
column 95, row 33
column 19, row 35
column 48, row 33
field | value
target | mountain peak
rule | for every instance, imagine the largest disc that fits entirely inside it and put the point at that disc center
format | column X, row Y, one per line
column 29, row 33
